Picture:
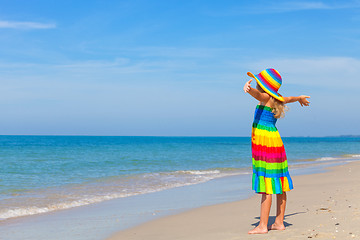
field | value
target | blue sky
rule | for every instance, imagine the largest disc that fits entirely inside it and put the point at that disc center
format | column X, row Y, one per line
column 175, row 67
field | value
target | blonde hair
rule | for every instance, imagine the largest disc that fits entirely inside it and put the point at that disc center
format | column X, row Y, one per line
column 278, row 107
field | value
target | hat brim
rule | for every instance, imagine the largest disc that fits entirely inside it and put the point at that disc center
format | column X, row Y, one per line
column 262, row 85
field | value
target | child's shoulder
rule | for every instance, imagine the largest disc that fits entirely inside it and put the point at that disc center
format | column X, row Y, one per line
column 266, row 104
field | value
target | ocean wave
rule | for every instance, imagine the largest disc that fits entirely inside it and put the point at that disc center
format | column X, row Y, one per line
column 342, row 157
column 327, row 159
column 99, row 191
column 199, row 172
column 351, row 155
column 32, row 210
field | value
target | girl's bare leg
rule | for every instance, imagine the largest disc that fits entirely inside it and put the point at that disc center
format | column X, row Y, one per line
column 264, row 215
column 280, row 212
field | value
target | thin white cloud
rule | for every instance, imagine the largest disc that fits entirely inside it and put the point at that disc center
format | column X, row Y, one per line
column 308, row 5
column 283, row 7
column 298, row 6
column 26, row 25
column 326, row 71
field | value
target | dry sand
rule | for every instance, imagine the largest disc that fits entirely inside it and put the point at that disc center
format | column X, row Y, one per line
column 321, row 206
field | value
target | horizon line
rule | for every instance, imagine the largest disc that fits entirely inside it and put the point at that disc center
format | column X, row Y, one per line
column 234, row 136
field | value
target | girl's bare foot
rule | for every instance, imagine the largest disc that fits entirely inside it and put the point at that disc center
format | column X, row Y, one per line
column 277, row 227
column 258, row 230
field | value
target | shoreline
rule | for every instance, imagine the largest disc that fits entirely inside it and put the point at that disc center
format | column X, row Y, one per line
column 322, row 205
column 69, row 173
column 102, row 220
column 297, row 168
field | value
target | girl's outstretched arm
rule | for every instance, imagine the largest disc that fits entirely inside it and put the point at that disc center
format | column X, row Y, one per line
column 262, row 97
column 301, row 99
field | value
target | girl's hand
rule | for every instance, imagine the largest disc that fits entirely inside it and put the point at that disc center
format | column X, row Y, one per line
column 303, row 100
column 247, row 86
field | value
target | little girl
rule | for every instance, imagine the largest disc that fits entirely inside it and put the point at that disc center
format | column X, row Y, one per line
column 270, row 169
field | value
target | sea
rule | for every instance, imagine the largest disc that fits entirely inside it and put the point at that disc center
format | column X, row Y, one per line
column 42, row 174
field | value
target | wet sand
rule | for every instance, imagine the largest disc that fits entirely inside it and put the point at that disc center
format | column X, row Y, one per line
column 321, row 206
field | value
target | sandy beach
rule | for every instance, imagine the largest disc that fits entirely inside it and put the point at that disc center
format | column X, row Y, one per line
column 323, row 206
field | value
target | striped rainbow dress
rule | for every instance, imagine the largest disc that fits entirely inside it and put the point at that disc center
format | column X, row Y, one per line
column 270, row 169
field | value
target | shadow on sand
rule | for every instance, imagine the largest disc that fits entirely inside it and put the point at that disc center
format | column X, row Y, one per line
column 272, row 219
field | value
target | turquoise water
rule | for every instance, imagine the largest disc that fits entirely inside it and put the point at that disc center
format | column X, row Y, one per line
column 47, row 173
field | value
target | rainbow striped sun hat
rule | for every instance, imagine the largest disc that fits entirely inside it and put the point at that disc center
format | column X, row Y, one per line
column 270, row 81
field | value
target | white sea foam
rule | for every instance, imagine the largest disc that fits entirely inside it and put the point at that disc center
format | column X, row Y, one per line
column 343, row 157
column 31, row 210
column 199, row 172
column 81, row 195
column 327, row 159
